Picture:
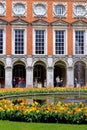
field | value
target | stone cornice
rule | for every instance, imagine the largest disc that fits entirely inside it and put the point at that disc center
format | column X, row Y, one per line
column 39, row 22
column 60, row 23
column 19, row 21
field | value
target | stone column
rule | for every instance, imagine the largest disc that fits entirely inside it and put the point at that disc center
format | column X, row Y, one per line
column 50, row 77
column 8, row 77
column 70, row 72
column 8, row 72
column 29, row 72
column 86, row 76
column 29, row 77
column 70, row 77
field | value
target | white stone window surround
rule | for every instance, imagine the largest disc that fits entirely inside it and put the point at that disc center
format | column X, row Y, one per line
column 14, row 27
column 84, row 5
column 41, row 3
column 85, row 39
column 19, row 2
column 45, row 39
column 65, row 39
column 3, row 4
column 3, row 27
column 60, row 3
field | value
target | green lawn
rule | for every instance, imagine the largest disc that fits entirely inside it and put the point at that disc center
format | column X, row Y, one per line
column 8, row 125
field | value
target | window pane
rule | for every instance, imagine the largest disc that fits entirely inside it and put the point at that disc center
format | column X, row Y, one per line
column 80, row 10
column 39, row 41
column 79, row 42
column 1, row 41
column 59, row 9
column 59, row 42
column 19, row 41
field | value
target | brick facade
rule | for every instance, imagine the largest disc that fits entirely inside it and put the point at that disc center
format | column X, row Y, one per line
column 49, row 61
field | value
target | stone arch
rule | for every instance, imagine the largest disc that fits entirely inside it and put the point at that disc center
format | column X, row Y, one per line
column 19, row 73
column 39, row 73
column 80, row 72
column 18, row 61
column 2, row 74
column 60, row 71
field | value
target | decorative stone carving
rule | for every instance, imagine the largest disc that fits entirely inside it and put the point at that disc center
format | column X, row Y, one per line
column 40, row 9
column 50, row 62
column 70, row 61
column 29, row 61
column 40, row 22
column 57, row 5
column 19, row 8
column 8, row 62
column 60, row 23
column 19, row 21
column 79, row 23
column 2, row 8
column 80, row 13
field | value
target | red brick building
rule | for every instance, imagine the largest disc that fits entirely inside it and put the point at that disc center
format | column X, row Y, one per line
column 43, row 39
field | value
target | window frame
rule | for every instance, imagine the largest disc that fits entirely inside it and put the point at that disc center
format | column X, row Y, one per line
column 64, row 4
column 80, row 7
column 65, row 40
column 63, row 10
column 3, row 27
column 85, row 39
column 75, row 5
column 45, row 39
column 13, row 37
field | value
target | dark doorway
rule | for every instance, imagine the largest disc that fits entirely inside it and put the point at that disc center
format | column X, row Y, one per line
column 60, row 71
column 79, row 72
column 39, row 73
column 2, row 76
column 19, row 72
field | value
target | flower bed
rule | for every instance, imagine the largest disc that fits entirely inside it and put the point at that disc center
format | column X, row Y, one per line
column 21, row 110
column 17, row 91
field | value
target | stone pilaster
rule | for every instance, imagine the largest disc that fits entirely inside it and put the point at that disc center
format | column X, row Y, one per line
column 86, row 76
column 70, row 77
column 29, row 72
column 70, row 72
column 29, row 77
column 50, row 77
column 8, row 77
column 8, row 73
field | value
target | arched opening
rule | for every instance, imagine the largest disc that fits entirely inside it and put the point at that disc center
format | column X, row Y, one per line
column 19, row 75
column 79, row 73
column 59, row 74
column 2, row 75
column 39, row 74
